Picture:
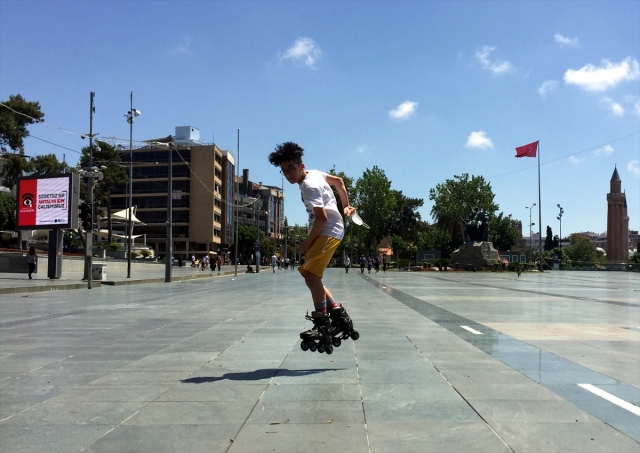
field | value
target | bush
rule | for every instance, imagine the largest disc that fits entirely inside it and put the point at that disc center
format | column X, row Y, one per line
column 404, row 263
column 134, row 254
column 113, row 247
column 145, row 253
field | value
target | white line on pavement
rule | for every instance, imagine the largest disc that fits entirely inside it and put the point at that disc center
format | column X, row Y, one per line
column 612, row 398
column 471, row 330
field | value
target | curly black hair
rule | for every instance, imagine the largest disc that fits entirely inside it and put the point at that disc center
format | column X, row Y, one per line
column 286, row 151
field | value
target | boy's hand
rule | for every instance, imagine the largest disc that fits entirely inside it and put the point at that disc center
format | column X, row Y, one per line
column 305, row 246
column 349, row 210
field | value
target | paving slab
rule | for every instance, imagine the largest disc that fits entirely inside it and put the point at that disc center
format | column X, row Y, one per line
column 214, row 364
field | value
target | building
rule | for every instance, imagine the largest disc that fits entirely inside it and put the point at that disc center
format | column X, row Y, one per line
column 199, row 196
column 617, row 222
column 261, row 206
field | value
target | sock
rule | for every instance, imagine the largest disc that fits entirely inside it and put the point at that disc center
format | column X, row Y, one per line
column 331, row 304
column 321, row 306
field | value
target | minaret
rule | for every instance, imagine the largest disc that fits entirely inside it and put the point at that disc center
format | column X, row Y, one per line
column 617, row 222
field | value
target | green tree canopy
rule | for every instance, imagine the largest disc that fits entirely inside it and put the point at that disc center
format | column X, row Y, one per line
column 405, row 219
column 455, row 199
column 114, row 173
column 502, row 233
column 13, row 126
column 581, row 249
column 375, row 202
column 7, row 212
column 15, row 166
column 47, row 164
column 434, row 238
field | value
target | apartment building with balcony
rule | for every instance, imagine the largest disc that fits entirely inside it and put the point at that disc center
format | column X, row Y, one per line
column 200, row 197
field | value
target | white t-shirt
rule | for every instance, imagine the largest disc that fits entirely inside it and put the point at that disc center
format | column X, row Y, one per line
column 316, row 192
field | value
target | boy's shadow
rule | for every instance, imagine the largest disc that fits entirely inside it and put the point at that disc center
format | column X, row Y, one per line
column 265, row 373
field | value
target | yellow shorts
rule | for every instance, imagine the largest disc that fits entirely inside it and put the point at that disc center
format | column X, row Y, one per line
column 319, row 255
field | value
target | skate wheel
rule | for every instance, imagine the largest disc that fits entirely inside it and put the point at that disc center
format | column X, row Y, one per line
column 312, row 347
column 329, row 349
column 355, row 335
column 321, row 348
column 304, row 346
column 337, row 342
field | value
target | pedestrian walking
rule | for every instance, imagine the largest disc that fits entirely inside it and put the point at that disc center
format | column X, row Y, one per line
column 369, row 265
column 31, row 261
column 274, row 262
column 347, row 264
column 384, row 264
column 219, row 262
column 376, row 264
column 363, row 261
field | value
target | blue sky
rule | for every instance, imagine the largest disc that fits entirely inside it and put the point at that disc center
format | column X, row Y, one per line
column 424, row 90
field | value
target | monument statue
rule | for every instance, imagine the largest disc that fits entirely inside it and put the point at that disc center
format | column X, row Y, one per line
column 477, row 228
column 477, row 251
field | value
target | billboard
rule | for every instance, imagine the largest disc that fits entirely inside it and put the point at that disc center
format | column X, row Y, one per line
column 47, row 202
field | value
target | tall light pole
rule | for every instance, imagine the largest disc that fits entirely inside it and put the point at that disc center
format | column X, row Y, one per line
column 130, row 115
column 169, row 247
column 236, row 202
column 560, row 219
column 530, row 225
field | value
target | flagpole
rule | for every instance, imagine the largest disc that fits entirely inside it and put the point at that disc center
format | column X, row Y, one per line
column 539, row 213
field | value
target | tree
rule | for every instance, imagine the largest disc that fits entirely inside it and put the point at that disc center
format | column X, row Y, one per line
column 7, row 212
column 15, row 166
column 106, row 156
column 548, row 241
column 375, row 201
column 436, row 239
column 348, row 226
column 502, row 233
column 13, row 126
column 405, row 219
column 580, row 249
column 47, row 164
column 455, row 199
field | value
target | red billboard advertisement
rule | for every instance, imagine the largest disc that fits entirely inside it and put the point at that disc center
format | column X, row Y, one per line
column 47, row 202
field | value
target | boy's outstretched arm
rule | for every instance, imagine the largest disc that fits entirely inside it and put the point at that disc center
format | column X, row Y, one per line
column 338, row 183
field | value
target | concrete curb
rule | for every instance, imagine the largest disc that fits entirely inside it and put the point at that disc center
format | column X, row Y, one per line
column 98, row 283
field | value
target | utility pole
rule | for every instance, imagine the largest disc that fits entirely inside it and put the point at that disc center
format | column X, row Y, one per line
column 236, row 203
column 88, row 251
column 167, row 274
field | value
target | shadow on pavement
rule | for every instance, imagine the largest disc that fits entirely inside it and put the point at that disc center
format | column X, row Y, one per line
column 256, row 375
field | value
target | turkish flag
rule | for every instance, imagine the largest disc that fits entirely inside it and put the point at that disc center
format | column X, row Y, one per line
column 529, row 150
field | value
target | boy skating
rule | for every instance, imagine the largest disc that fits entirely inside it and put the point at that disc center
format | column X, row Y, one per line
column 326, row 230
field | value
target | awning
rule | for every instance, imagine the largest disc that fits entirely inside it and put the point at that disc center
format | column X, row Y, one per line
column 105, row 234
column 121, row 216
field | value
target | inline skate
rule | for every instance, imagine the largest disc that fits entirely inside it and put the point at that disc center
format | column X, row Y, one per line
column 319, row 337
column 341, row 324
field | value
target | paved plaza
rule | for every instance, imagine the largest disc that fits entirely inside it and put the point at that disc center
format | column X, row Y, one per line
column 446, row 362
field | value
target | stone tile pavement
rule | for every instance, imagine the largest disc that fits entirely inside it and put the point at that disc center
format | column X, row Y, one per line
column 214, row 365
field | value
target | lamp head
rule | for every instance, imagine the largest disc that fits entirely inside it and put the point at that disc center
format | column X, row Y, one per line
column 136, row 112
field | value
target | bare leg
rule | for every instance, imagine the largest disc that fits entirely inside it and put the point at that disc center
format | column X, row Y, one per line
column 314, row 283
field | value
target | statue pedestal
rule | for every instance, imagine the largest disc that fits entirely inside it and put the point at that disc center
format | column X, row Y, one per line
column 478, row 254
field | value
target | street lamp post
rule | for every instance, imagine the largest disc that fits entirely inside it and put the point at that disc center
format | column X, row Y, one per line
column 530, row 225
column 236, row 202
column 560, row 219
column 130, row 115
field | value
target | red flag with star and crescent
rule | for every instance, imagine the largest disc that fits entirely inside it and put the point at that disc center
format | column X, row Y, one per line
column 529, row 150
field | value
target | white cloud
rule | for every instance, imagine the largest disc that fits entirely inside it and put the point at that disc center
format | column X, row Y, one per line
column 574, row 160
column 404, row 110
column 547, row 87
column 498, row 67
column 362, row 148
column 305, row 50
column 565, row 41
column 478, row 140
column 613, row 106
column 636, row 108
column 608, row 75
column 184, row 47
column 606, row 150
column 633, row 167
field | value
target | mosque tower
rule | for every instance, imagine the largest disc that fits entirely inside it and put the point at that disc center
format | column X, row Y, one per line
column 617, row 222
